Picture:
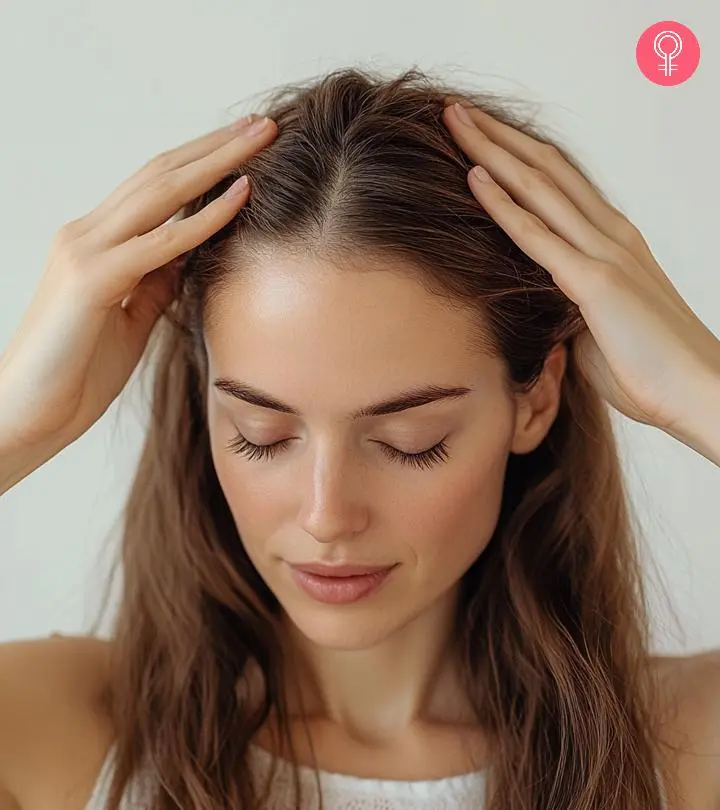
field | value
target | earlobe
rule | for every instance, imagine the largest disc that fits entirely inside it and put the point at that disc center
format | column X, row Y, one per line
column 530, row 428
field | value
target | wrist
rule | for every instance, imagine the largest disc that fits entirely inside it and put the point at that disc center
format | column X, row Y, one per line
column 700, row 429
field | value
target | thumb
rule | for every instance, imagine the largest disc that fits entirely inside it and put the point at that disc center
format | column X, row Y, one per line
column 153, row 295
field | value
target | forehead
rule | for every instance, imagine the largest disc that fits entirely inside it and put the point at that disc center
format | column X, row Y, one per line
column 330, row 340
column 365, row 325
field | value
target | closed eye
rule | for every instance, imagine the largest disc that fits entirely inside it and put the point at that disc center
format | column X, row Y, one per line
column 264, row 452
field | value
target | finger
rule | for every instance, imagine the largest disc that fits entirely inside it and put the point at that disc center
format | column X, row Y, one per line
column 121, row 268
column 164, row 162
column 161, row 286
column 143, row 308
column 163, row 196
column 573, row 271
column 537, row 193
column 152, row 296
column 546, row 157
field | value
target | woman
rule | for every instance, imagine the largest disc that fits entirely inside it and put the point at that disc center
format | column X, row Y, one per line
column 376, row 365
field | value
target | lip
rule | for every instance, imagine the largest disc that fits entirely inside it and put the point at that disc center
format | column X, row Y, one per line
column 337, row 589
column 347, row 570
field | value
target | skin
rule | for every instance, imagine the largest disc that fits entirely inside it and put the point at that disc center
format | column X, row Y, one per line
column 372, row 670
column 381, row 693
column 53, row 734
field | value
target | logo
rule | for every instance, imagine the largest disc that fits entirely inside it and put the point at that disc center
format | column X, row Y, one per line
column 667, row 53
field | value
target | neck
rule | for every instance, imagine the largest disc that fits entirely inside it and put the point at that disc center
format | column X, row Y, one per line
column 384, row 692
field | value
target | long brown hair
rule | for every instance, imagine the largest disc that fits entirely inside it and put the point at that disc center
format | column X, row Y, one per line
column 552, row 620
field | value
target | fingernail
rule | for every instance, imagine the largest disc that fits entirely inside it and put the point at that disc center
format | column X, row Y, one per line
column 237, row 188
column 243, row 123
column 482, row 174
column 257, row 127
column 463, row 114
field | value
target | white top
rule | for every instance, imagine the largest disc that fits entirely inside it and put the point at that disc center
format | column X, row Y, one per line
column 339, row 791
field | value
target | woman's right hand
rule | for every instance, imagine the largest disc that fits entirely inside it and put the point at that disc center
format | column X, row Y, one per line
column 109, row 276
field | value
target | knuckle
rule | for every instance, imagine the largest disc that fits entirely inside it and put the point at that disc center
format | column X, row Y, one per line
column 548, row 156
column 542, row 178
column 531, row 228
column 604, row 274
column 66, row 251
column 161, row 185
column 68, row 232
column 206, row 216
column 74, row 259
column 165, row 235
column 628, row 235
column 162, row 162
column 536, row 180
column 70, row 267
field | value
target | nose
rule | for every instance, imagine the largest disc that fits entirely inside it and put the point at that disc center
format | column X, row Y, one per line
column 333, row 508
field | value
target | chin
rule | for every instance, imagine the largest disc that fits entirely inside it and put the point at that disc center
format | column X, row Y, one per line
column 342, row 629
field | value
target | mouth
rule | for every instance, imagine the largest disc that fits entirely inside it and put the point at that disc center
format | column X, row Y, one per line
column 340, row 588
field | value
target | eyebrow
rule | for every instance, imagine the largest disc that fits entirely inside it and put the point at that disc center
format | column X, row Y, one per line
column 411, row 398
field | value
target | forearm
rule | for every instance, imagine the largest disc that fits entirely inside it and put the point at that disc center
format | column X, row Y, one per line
column 19, row 459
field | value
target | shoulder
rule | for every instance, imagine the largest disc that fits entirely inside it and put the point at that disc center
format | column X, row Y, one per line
column 52, row 724
column 690, row 691
column 691, row 685
column 83, row 656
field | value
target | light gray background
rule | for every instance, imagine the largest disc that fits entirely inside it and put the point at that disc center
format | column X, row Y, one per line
column 91, row 90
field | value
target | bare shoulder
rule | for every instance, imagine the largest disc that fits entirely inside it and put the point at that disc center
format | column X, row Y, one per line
column 53, row 730
column 690, row 688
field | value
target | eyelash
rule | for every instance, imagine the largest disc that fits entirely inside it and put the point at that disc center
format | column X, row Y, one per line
column 264, row 452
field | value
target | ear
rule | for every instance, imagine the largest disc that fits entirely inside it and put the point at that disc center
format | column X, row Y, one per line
column 536, row 410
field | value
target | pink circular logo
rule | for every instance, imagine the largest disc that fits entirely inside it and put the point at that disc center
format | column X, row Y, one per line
column 667, row 53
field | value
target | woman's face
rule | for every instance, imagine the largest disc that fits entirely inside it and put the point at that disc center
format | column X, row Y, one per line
column 327, row 342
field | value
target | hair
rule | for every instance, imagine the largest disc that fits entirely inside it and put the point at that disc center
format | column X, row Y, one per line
column 552, row 622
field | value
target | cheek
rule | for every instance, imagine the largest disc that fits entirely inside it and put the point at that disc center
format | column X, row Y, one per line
column 255, row 510
column 449, row 530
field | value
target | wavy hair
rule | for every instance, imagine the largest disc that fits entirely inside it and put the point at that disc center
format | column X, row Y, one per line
column 553, row 618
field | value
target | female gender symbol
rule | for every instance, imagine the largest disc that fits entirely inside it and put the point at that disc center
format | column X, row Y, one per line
column 667, row 57
column 677, row 47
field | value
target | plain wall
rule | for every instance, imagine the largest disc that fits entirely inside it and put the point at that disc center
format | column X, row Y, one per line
column 92, row 90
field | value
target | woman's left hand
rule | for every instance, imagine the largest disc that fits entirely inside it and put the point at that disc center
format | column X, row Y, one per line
column 645, row 351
